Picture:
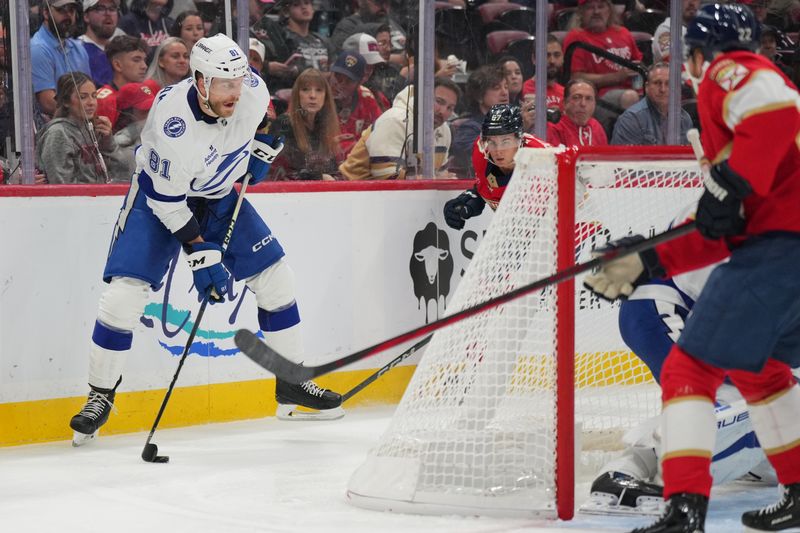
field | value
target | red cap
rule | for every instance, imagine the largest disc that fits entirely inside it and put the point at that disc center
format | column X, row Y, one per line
column 136, row 95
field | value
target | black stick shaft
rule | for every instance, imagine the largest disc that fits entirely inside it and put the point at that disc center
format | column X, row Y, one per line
column 388, row 366
column 295, row 373
column 226, row 241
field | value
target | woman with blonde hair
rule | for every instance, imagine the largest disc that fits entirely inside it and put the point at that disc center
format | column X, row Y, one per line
column 311, row 131
column 170, row 62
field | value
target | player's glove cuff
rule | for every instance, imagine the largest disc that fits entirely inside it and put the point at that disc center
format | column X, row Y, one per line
column 267, row 147
column 725, row 184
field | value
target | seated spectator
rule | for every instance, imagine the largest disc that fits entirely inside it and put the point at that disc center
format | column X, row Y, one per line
column 555, row 64
column 315, row 50
column 356, row 106
column 577, row 126
column 661, row 37
column 266, row 29
column 255, row 55
column 599, row 27
column 134, row 101
column 127, row 57
column 386, row 151
column 770, row 37
column 101, row 18
column 512, row 71
column 148, row 20
column 386, row 77
column 486, row 87
column 370, row 15
column 170, row 63
column 367, row 47
column 785, row 14
column 645, row 122
column 65, row 148
column 188, row 26
column 694, row 66
column 310, row 129
column 54, row 52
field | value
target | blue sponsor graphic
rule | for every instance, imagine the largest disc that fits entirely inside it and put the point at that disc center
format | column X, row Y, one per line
column 174, row 127
column 209, row 342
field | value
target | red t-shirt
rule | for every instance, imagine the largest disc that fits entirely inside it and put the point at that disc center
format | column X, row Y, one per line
column 490, row 181
column 748, row 111
column 615, row 39
column 555, row 93
column 353, row 120
column 569, row 134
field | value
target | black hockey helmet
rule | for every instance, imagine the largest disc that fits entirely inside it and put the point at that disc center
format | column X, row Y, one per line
column 502, row 119
column 723, row 27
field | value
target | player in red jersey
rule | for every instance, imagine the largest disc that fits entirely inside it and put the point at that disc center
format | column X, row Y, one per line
column 745, row 324
column 493, row 161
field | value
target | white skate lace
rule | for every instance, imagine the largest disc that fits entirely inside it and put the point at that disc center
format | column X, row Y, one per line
column 312, row 388
column 94, row 405
column 775, row 506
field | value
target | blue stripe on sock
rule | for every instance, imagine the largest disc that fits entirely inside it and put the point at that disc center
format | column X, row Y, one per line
column 111, row 339
column 278, row 320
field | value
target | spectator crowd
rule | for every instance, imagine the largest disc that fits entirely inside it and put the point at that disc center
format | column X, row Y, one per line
column 341, row 76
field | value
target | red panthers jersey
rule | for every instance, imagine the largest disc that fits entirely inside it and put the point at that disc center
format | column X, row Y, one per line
column 749, row 111
column 490, row 181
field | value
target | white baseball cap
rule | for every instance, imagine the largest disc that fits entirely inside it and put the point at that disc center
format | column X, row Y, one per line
column 366, row 46
column 89, row 4
column 259, row 47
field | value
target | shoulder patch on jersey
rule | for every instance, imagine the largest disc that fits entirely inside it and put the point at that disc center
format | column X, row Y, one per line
column 174, row 127
column 253, row 81
column 728, row 74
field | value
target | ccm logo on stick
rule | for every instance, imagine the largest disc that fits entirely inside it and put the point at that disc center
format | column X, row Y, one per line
column 265, row 241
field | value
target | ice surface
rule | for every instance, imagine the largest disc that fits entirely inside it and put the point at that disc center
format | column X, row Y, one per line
column 259, row 475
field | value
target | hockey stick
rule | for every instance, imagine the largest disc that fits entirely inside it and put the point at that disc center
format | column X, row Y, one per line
column 150, row 450
column 272, row 361
column 388, row 366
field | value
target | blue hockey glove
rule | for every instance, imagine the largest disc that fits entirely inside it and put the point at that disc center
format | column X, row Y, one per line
column 210, row 277
column 265, row 149
column 719, row 211
column 466, row 205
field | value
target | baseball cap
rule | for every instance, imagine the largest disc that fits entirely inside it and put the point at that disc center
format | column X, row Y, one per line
column 89, row 4
column 366, row 45
column 136, row 95
column 351, row 64
column 60, row 3
column 259, row 47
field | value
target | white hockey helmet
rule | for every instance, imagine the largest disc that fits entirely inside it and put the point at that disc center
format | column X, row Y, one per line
column 217, row 57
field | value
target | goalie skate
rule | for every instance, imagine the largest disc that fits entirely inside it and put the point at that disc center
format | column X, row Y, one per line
column 95, row 413
column 618, row 494
column 307, row 401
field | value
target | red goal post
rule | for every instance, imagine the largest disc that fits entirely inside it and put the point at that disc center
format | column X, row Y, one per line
column 500, row 403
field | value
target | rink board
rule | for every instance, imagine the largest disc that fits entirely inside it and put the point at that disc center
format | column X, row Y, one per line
column 358, row 271
column 351, row 247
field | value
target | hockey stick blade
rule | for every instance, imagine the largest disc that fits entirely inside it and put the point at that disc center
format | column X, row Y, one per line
column 272, row 361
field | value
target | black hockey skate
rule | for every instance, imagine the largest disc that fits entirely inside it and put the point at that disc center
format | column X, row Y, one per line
column 615, row 493
column 684, row 513
column 94, row 414
column 320, row 404
column 782, row 515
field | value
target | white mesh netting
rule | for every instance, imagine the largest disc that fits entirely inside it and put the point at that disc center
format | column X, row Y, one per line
column 475, row 431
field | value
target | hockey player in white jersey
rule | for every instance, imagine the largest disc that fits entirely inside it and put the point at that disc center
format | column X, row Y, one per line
column 199, row 139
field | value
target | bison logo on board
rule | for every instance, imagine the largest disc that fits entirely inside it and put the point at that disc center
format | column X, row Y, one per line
column 431, row 268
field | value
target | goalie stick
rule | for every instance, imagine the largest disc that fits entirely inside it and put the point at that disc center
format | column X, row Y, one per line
column 270, row 360
column 388, row 366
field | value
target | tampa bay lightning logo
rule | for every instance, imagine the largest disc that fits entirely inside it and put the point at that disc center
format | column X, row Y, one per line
column 253, row 80
column 174, row 127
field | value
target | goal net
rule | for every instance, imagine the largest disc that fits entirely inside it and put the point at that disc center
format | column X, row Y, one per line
column 507, row 406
